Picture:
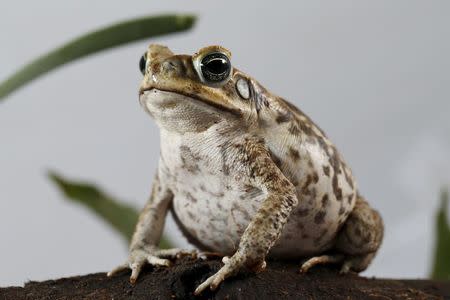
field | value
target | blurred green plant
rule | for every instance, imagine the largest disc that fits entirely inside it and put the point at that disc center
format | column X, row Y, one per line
column 441, row 264
column 120, row 216
column 102, row 39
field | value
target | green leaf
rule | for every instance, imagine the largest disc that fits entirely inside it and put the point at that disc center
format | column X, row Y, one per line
column 120, row 216
column 108, row 37
column 441, row 265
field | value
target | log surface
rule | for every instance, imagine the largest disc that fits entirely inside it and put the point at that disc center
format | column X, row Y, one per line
column 281, row 280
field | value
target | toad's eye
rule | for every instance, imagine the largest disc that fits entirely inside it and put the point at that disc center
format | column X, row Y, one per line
column 215, row 68
column 143, row 63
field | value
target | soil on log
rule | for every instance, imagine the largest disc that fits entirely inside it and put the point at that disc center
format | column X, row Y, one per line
column 281, row 280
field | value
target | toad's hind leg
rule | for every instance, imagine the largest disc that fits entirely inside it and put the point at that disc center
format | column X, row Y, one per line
column 357, row 242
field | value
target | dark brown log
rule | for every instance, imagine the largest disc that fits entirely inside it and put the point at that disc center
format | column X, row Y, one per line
column 281, row 280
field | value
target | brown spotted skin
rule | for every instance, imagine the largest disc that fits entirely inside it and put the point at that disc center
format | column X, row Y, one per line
column 246, row 174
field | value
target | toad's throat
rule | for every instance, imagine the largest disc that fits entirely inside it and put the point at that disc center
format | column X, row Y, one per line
column 195, row 98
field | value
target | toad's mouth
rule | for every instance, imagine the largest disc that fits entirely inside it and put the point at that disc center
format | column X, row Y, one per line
column 162, row 95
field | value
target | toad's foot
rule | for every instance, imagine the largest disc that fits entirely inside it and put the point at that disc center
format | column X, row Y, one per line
column 349, row 263
column 357, row 263
column 231, row 267
column 321, row 260
column 155, row 257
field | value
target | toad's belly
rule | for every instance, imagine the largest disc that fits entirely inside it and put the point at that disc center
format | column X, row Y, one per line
column 214, row 203
column 213, row 217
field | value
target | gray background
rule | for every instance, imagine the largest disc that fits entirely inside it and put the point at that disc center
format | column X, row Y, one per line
column 373, row 74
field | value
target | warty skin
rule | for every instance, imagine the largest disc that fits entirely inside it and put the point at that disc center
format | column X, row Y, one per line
column 245, row 173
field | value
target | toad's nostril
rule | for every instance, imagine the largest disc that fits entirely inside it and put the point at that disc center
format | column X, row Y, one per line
column 169, row 66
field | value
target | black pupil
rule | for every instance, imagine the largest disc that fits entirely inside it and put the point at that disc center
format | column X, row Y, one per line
column 142, row 63
column 215, row 67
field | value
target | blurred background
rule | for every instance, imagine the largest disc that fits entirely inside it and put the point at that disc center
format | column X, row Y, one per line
column 373, row 74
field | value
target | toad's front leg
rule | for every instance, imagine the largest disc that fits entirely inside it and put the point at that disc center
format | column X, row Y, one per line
column 267, row 225
column 144, row 244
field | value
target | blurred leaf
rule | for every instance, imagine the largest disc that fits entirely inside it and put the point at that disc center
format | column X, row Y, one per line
column 108, row 37
column 120, row 216
column 441, row 267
